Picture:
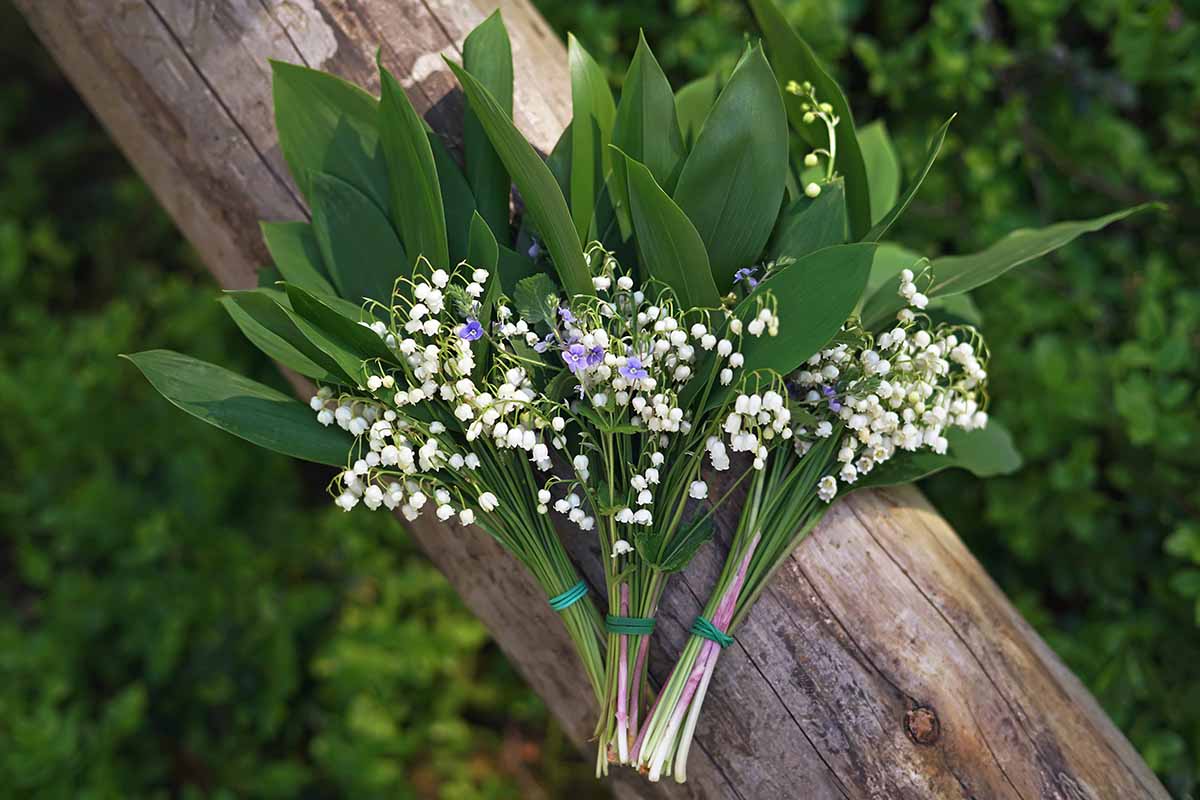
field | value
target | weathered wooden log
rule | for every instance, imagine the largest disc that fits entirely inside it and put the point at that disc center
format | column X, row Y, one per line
column 882, row 662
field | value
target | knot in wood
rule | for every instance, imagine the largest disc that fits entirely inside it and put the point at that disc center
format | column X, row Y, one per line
column 922, row 725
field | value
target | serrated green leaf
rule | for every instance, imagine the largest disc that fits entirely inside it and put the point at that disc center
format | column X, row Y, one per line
column 669, row 247
column 357, row 241
column 811, row 224
column 794, row 60
column 592, row 114
column 487, row 53
column 544, row 202
column 536, row 299
column 883, row 168
column 646, row 129
column 297, row 255
column 935, row 146
column 732, row 182
column 328, row 126
column 417, row 209
column 243, row 407
column 956, row 274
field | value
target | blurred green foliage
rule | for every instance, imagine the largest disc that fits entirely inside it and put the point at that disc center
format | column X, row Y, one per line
column 182, row 614
column 1066, row 111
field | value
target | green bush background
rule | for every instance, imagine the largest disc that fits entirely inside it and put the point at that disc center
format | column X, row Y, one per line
column 184, row 616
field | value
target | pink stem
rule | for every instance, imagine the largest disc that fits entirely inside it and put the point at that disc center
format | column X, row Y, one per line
column 643, row 650
column 622, row 669
column 636, row 750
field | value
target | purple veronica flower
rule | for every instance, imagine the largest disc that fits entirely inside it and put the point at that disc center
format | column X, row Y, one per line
column 544, row 344
column 633, row 369
column 746, row 273
column 535, row 250
column 595, row 356
column 566, row 315
column 472, row 331
column 831, row 395
column 575, row 356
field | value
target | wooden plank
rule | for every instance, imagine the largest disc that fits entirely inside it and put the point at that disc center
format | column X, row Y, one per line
column 883, row 662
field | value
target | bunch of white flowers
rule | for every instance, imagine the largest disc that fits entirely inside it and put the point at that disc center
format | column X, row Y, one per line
column 901, row 391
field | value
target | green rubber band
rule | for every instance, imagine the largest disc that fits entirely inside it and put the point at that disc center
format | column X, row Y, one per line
column 704, row 628
column 633, row 626
column 561, row 602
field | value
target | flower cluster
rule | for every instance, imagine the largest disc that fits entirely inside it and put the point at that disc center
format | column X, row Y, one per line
column 901, row 391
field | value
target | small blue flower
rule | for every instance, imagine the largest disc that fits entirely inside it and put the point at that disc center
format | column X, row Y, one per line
column 535, row 250
column 566, row 315
column 575, row 356
column 633, row 369
column 595, row 356
column 472, row 331
column 746, row 273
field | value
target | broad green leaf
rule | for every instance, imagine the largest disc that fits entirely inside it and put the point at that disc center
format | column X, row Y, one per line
column 357, row 242
column 811, row 224
column 985, row 453
column 794, row 60
column 559, row 161
column 646, row 129
column 883, row 168
column 885, row 224
column 487, row 53
column 693, row 103
column 957, row 274
column 339, row 336
column 328, row 126
column 457, row 199
column 732, row 182
column 544, row 202
column 484, row 253
column 592, row 114
column 955, row 309
column 416, row 194
column 243, row 407
column 815, row 296
column 670, row 249
column 268, row 328
column 297, row 255
column 514, row 267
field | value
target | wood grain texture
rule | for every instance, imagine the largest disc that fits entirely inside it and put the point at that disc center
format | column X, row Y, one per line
column 881, row 663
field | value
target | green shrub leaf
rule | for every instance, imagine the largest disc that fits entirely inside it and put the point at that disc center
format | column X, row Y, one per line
column 328, row 126
column 544, row 202
column 732, row 182
column 592, row 114
column 357, row 242
column 487, row 53
column 669, row 246
column 416, row 194
column 243, row 407
column 794, row 60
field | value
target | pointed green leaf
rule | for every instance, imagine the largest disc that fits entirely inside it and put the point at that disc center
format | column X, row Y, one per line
column 692, row 105
column 544, row 202
column 243, row 407
column 416, row 194
column 957, row 274
column 883, row 168
column 340, row 337
column 457, row 199
column 669, row 246
column 487, row 53
column 297, row 255
column 357, row 242
column 330, row 126
column 484, row 253
column 885, row 224
column 985, row 453
column 811, row 224
column 732, row 182
column 268, row 328
column 794, row 60
column 592, row 114
column 515, row 267
column 646, row 129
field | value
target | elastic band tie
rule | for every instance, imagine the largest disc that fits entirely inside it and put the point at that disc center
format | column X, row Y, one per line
column 633, row 626
column 704, row 628
column 561, row 602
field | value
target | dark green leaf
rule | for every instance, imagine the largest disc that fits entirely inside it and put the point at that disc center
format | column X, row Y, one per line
column 692, row 105
column 592, row 117
column 811, row 224
column 240, row 406
column 297, row 255
column 514, row 267
column 544, row 202
column 269, row 329
column 328, row 126
column 885, row 224
column 338, row 336
column 732, row 182
column 487, row 53
column 794, row 60
column 416, row 194
column 985, row 453
column 484, row 253
column 646, row 129
column 357, row 242
column 457, row 199
column 670, row 248
column 883, row 168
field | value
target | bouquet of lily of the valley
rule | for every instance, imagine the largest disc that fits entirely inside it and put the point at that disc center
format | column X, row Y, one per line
column 688, row 301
